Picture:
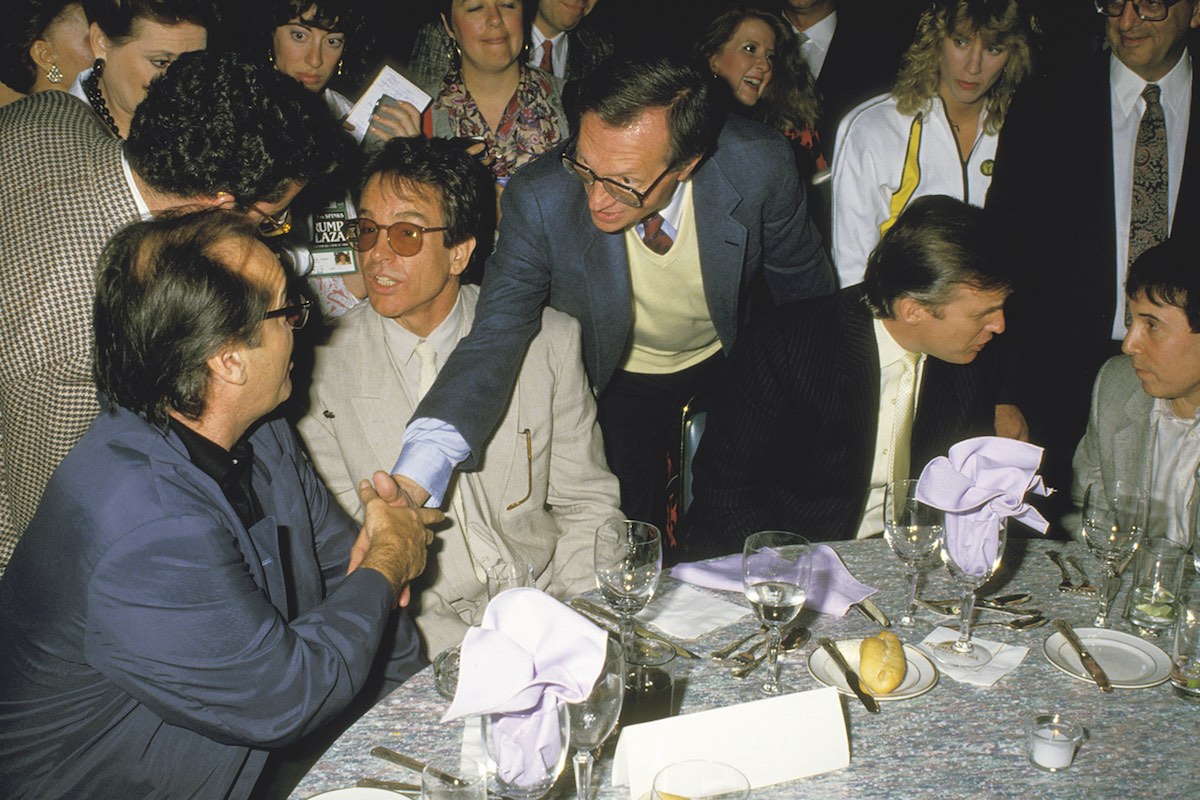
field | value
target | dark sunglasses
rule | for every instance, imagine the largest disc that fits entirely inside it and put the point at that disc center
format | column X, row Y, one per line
column 294, row 315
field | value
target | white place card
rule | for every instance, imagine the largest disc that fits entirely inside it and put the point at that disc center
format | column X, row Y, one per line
column 771, row 741
column 395, row 86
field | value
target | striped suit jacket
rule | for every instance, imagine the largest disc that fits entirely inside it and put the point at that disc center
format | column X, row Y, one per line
column 63, row 195
column 790, row 442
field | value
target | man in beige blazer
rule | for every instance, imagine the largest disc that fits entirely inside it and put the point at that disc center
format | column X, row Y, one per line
column 542, row 487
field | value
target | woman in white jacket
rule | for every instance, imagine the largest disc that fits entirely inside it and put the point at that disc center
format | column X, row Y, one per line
column 936, row 132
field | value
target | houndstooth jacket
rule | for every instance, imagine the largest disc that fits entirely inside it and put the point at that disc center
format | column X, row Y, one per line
column 62, row 194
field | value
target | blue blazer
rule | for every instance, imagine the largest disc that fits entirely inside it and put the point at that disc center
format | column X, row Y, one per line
column 752, row 221
column 151, row 645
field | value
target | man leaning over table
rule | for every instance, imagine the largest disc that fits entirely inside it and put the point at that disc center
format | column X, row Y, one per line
column 180, row 603
column 656, row 317
column 1145, row 404
column 829, row 399
column 542, row 488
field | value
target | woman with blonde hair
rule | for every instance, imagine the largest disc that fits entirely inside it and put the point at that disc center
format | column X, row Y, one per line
column 936, row 132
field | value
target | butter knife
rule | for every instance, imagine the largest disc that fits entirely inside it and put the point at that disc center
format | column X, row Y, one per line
column 388, row 754
column 850, row 675
column 873, row 612
column 1089, row 663
column 600, row 612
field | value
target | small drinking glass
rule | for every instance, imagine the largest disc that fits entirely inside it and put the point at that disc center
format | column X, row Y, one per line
column 700, row 780
column 594, row 717
column 504, row 575
column 529, row 750
column 1113, row 524
column 454, row 779
column 914, row 530
column 628, row 567
column 1185, row 654
column 1157, row 572
column 776, row 569
column 962, row 652
column 649, row 684
column 445, row 671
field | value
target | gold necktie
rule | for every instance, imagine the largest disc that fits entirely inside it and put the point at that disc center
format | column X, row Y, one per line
column 906, row 402
column 427, row 358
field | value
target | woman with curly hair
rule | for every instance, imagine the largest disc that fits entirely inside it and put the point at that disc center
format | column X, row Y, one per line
column 44, row 45
column 936, row 132
column 755, row 54
column 134, row 42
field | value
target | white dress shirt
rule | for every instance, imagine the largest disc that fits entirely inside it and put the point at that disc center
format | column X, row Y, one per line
column 816, row 47
column 1173, row 472
column 558, row 53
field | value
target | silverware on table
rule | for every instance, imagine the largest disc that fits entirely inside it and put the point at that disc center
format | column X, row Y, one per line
column 850, row 675
column 1074, row 562
column 1018, row 624
column 600, row 613
column 388, row 754
column 1068, row 585
column 873, row 612
column 793, row 639
column 953, row 609
column 728, row 650
column 391, row 786
column 1089, row 663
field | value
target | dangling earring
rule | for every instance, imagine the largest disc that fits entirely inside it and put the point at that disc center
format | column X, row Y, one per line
column 54, row 75
column 270, row 56
column 339, row 66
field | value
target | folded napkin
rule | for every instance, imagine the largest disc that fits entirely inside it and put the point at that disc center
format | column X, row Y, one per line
column 530, row 654
column 832, row 589
column 685, row 613
column 980, row 482
column 1005, row 658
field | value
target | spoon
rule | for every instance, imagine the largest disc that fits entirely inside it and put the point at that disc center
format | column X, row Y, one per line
column 1019, row 624
column 793, row 639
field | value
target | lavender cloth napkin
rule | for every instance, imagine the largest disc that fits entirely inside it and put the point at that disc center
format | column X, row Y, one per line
column 530, row 654
column 978, row 483
column 831, row 590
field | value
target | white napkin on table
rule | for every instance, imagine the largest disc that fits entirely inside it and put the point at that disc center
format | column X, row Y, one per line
column 1005, row 658
column 832, row 589
column 684, row 613
column 978, row 483
column 530, row 654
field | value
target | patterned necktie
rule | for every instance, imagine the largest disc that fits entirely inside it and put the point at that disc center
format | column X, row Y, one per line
column 902, row 426
column 427, row 358
column 1148, row 211
column 654, row 236
column 547, row 64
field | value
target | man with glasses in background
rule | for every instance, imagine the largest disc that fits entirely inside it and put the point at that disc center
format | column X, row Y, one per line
column 542, row 488
column 660, row 231
column 214, row 130
column 1096, row 165
column 188, row 595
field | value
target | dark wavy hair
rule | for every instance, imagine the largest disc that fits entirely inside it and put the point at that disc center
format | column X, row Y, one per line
column 1167, row 275
column 347, row 17
column 620, row 90
column 24, row 25
column 937, row 244
column 223, row 123
column 462, row 184
column 997, row 22
column 790, row 102
column 117, row 17
column 167, row 299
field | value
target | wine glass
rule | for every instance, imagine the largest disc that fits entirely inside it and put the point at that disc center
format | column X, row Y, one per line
column 776, row 568
column 700, row 780
column 628, row 566
column 528, row 750
column 1113, row 524
column 594, row 717
column 914, row 530
column 962, row 653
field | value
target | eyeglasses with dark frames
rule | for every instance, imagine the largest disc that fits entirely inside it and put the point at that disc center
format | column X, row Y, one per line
column 623, row 193
column 1146, row 10
column 405, row 238
column 295, row 316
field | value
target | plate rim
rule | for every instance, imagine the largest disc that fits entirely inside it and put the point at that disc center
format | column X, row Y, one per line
column 910, row 653
column 1108, row 634
column 333, row 792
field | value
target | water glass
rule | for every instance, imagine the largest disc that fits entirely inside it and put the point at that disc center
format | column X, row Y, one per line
column 445, row 671
column 467, row 780
column 504, row 575
column 776, row 571
column 1052, row 740
column 1157, row 572
column 529, row 750
column 1185, row 653
column 649, row 683
column 914, row 530
column 700, row 780
column 1113, row 523
column 594, row 717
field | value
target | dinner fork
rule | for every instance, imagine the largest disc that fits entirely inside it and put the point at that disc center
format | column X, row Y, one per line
column 1074, row 562
column 1066, row 585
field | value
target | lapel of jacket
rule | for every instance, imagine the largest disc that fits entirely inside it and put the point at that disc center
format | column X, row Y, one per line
column 858, row 382
column 1097, row 111
column 722, row 241
column 1189, row 195
column 380, row 402
column 608, row 293
column 1133, row 440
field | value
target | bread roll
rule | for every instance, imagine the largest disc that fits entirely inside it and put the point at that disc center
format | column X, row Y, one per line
column 882, row 663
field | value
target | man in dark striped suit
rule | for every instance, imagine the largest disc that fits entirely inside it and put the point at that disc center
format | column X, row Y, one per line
column 831, row 398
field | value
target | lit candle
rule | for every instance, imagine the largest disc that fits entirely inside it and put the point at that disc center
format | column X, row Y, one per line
column 1052, row 741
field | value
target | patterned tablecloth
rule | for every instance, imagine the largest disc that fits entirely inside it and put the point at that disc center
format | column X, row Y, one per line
column 955, row 741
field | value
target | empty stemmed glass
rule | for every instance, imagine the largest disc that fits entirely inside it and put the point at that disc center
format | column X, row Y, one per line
column 1113, row 524
column 962, row 652
column 776, row 568
column 914, row 530
column 594, row 717
column 628, row 566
